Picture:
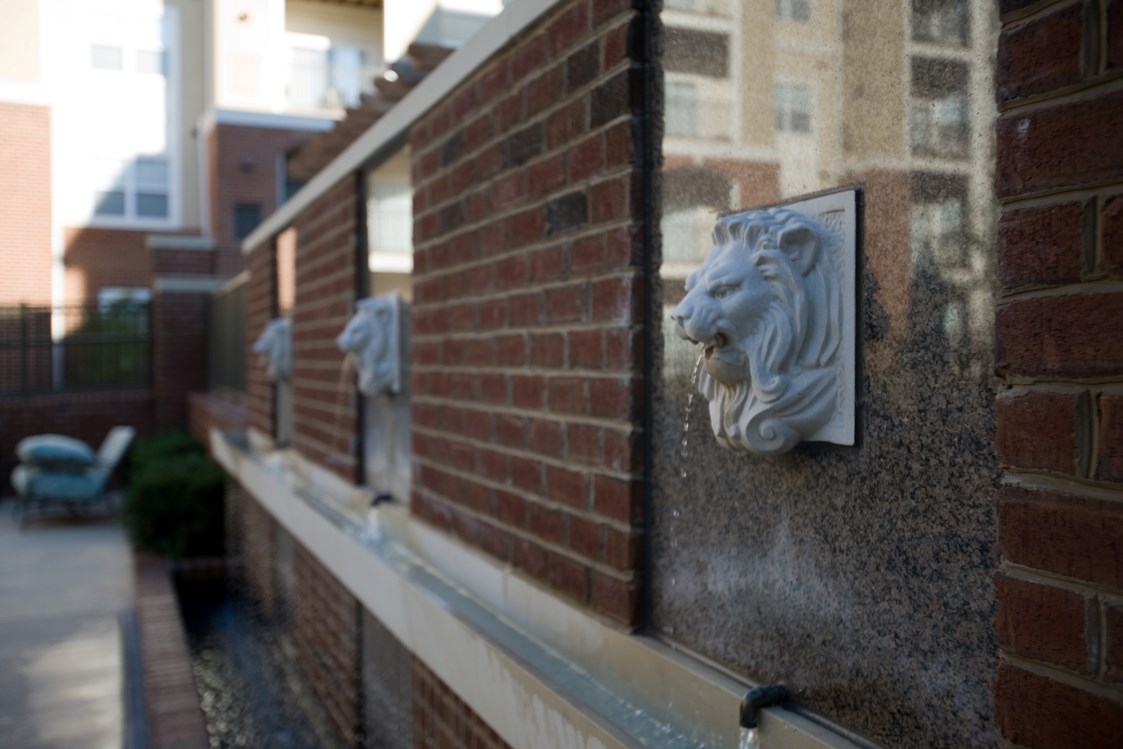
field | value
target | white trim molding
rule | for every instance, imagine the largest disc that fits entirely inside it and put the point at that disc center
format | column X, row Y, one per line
column 186, row 284
column 179, row 242
column 275, row 120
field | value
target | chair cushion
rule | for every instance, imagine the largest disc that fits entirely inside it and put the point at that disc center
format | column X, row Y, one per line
column 56, row 452
column 34, row 483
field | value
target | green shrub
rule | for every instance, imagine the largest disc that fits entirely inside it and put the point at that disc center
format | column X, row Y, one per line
column 164, row 445
column 174, row 505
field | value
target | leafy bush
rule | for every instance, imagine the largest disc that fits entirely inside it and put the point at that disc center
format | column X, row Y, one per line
column 174, row 505
column 162, row 446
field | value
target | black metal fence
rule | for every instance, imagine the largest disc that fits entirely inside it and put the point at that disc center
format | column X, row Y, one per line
column 226, row 339
column 66, row 349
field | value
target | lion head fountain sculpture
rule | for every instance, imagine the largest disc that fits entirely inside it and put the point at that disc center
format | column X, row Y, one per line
column 766, row 308
column 274, row 345
column 373, row 336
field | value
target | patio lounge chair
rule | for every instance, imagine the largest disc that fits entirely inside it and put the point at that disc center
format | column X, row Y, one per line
column 56, row 470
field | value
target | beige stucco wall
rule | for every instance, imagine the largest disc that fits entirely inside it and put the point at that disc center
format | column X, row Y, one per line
column 19, row 41
column 193, row 53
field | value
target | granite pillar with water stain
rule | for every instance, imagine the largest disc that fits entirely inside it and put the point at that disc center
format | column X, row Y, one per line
column 860, row 576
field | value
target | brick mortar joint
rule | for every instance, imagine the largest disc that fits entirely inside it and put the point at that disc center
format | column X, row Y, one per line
column 1101, row 384
column 619, row 575
column 1068, row 486
column 1084, row 588
column 1042, row 9
column 498, row 215
column 629, row 271
column 1071, row 479
column 1084, row 91
column 606, row 326
column 1073, row 679
column 1078, row 289
column 632, row 427
column 589, row 470
column 527, row 82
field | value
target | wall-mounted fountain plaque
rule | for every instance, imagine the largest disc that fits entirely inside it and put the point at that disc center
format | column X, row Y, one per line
column 373, row 335
column 274, row 346
column 773, row 307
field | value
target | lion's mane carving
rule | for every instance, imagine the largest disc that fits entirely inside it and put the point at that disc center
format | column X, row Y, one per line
column 766, row 307
column 373, row 335
column 274, row 345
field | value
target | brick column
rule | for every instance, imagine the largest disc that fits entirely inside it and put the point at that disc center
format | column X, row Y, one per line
column 1060, row 353
column 179, row 348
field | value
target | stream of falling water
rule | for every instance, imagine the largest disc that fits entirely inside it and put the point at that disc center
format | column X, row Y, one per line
column 341, row 391
column 683, row 454
column 749, row 739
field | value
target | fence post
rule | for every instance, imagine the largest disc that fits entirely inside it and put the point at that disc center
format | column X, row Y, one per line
column 23, row 347
column 151, row 306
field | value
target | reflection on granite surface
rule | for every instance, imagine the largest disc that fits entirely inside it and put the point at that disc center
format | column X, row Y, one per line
column 860, row 576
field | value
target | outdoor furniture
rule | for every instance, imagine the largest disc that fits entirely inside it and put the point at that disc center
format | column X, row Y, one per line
column 58, row 470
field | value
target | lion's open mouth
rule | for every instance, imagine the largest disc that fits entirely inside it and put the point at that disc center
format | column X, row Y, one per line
column 720, row 340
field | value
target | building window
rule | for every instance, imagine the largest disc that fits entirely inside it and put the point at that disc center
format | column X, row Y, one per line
column 136, row 188
column 938, row 109
column 127, row 44
column 793, row 107
column 682, row 109
column 129, row 171
column 938, row 220
column 152, row 187
column 696, row 52
column 246, row 218
column 323, row 75
column 122, row 297
column 940, row 21
column 104, row 57
column 793, row 10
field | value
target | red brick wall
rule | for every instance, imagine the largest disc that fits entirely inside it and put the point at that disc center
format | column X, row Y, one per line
column 252, row 538
column 1059, row 439
column 243, row 170
column 171, row 262
column 527, row 317
column 441, row 720
column 25, row 210
column 105, row 257
column 325, row 416
column 260, row 304
column 179, row 353
column 325, row 633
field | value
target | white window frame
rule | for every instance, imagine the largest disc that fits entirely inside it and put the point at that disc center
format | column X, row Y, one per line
column 784, row 99
column 789, row 10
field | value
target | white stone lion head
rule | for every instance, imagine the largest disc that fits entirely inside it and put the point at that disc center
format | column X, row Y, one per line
column 373, row 336
column 766, row 307
column 274, row 345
